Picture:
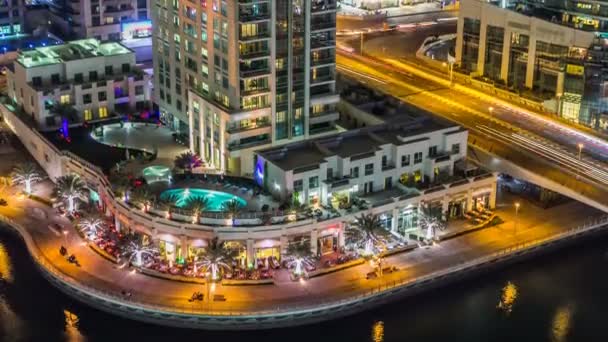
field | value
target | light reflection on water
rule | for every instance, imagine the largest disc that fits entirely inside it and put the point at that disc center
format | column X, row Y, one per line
column 378, row 331
column 6, row 273
column 11, row 325
column 72, row 332
column 507, row 298
column 562, row 322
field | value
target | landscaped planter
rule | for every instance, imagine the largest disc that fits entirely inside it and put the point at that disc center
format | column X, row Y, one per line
column 336, row 268
column 103, row 253
column 174, row 277
column 400, row 250
column 236, row 282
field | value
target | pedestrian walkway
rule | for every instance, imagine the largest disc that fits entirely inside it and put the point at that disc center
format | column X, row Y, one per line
column 96, row 272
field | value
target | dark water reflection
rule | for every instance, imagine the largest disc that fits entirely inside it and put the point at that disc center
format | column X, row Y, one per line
column 558, row 297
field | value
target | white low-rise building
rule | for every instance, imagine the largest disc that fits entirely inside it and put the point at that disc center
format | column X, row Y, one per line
column 420, row 152
column 95, row 78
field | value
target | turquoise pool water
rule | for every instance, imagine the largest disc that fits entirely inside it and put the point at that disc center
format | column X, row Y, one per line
column 156, row 173
column 216, row 198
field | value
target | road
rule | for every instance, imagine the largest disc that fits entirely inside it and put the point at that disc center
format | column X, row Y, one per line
column 403, row 40
column 550, row 148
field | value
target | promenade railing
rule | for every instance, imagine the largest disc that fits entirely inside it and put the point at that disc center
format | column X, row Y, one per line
column 309, row 303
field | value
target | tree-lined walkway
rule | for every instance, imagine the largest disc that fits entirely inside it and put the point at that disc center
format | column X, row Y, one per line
column 533, row 223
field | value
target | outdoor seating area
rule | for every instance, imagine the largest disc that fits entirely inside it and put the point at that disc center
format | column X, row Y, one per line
column 479, row 215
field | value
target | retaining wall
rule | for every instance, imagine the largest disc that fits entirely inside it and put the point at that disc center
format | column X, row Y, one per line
column 315, row 310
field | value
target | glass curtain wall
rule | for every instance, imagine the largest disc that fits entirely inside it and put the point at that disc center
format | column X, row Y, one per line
column 470, row 41
column 518, row 60
column 493, row 55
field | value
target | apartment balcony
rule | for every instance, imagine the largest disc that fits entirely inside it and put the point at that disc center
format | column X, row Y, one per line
column 236, row 146
column 322, row 79
column 254, row 92
column 254, row 72
column 249, row 55
column 322, row 62
column 119, row 10
column 248, row 14
column 322, row 44
column 247, row 132
column 258, row 36
column 323, row 24
column 329, row 115
column 323, row 96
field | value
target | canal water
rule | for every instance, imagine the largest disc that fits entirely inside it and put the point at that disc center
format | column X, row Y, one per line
column 561, row 296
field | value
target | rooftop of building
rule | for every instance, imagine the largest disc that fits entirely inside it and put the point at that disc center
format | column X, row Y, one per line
column 70, row 51
column 355, row 144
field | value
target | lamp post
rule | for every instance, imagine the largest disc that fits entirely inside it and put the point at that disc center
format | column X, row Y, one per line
column 65, row 237
column 451, row 61
column 361, row 43
column 516, row 217
column 580, row 156
column 208, row 283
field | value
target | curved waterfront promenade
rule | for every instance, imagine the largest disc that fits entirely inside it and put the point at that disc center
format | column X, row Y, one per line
column 99, row 283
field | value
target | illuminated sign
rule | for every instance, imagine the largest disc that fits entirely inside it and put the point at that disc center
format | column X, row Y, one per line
column 136, row 29
column 573, row 69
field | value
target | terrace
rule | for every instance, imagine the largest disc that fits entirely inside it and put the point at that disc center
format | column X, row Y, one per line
column 75, row 50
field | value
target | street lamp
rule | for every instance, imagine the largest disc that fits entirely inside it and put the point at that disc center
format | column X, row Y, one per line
column 516, row 217
column 491, row 109
column 65, row 236
column 361, row 43
column 580, row 156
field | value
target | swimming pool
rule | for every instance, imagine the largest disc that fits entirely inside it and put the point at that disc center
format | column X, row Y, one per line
column 216, row 198
column 156, row 173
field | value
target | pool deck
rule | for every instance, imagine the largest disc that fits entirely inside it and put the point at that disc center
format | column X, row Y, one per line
column 146, row 137
column 254, row 203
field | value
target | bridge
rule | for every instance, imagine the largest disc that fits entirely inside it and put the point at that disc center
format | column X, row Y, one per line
column 502, row 137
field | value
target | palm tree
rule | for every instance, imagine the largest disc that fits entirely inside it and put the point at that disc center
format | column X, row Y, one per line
column 168, row 200
column 187, row 161
column 135, row 252
column 429, row 222
column 142, row 196
column 231, row 207
column 367, row 230
column 197, row 204
column 26, row 174
column 292, row 208
column 120, row 183
column 301, row 254
column 215, row 258
column 70, row 188
column 91, row 225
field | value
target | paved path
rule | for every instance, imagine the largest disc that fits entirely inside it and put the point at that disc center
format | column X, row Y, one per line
column 534, row 223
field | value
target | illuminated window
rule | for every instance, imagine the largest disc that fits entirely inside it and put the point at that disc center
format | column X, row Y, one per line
column 64, row 99
column 88, row 115
column 103, row 112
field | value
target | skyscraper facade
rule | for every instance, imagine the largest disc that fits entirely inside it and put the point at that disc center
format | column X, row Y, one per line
column 239, row 75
